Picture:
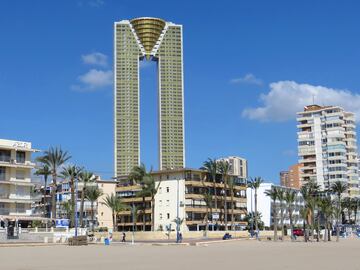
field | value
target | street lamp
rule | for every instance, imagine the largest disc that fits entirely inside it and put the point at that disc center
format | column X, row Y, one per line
column 75, row 207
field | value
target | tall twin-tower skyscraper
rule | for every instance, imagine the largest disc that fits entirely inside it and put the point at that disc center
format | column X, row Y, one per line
column 148, row 39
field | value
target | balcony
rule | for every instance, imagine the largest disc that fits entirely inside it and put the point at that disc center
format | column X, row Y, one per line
column 13, row 163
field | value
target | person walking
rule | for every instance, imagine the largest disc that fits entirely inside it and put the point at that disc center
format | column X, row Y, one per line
column 123, row 237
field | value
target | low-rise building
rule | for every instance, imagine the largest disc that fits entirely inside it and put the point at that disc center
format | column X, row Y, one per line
column 181, row 193
column 265, row 205
column 16, row 187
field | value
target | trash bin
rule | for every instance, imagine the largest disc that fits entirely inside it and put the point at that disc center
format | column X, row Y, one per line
column 107, row 241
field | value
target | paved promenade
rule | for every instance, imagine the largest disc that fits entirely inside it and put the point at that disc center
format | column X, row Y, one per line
column 227, row 255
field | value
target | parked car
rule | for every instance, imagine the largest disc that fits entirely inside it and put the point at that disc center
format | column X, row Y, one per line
column 298, row 232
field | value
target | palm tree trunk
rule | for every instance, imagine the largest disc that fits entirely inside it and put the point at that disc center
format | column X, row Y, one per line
column 225, row 207
column 206, row 221
column 82, row 208
column 337, row 219
column 92, row 216
column 44, row 195
column 232, row 209
column 72, row 187
column 215, row 196
column 305, row 231
column 282, row 221
column 291, row 225
column 114, row 221
column 256, row 216
column 143, row 216
column 275, row 220
column 326, row 227
column 53, row 197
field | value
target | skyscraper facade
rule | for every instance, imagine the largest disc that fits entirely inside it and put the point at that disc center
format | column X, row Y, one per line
column 148, row 39
column 327, row 147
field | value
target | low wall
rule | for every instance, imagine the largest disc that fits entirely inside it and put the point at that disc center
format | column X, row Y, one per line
column 161, row 235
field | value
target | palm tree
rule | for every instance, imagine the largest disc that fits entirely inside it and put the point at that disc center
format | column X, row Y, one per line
column 304, row 213
column 45, row 171
column 137, row 175
column 211, row 166
column 116, row 205
column 338, row 188
column 54, row 158
column 66, row 206
column 273, row 194
column 134, row 212
column 346, row 204
column 71, row 173
column 281, row 197
column 93, row 194
column 354, row 207
column 207, row 197
column 255, row 184
column 231, row 183
column 290, row 197
column 151, row 188
column 224, row 168
column 86, row 178
column 326, row 208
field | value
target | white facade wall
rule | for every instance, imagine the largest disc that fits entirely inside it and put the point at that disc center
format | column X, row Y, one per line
column 169, row 199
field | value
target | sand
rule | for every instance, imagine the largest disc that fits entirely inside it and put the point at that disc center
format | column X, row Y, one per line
column 245, row 254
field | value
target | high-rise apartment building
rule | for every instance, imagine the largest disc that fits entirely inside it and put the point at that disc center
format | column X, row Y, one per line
column 148, row 39
column 238, row 166
column 291, row 178
column 327, row 146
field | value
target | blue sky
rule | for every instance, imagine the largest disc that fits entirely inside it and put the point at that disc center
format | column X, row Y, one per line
column 249, row 66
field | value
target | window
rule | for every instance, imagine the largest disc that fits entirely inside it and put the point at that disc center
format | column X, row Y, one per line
column 160, row 202
column 20, row 174
column 102, row 213
column 160, row 190
column 160, row 217
column 167, row 202
column 20, row 157
column 5, row 155
column 2, row 174
column 168, row 215
column 167, row 189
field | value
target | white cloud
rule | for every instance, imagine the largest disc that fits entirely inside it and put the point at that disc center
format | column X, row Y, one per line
column 288, row 97
column 93, row 80
column 247, row 79
column 95, row 58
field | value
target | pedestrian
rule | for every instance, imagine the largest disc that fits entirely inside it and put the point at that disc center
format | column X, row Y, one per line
column 123, row 237
column 180, row 237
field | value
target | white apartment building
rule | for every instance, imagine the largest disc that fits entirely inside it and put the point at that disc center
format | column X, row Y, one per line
column 238, row 166
column 265, row 205
column 15, row 180
column 327, row 147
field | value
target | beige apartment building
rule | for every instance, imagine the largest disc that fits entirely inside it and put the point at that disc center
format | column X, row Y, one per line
column 104, row 213
column 181, row 194
column 291, row 178
column 16, row 196
column 238, row 166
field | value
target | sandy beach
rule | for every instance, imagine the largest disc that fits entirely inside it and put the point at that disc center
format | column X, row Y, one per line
column 236, row 255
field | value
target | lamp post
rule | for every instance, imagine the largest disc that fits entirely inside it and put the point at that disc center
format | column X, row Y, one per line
column 75, row 207
column 133, row 223
column 177, row 213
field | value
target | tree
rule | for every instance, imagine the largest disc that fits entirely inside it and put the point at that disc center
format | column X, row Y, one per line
column 54, row 158
column 354, row 207
column 211, row 166
column 281, row 197
column 273, row 194
column 85, row 178
column 137, row 175
column 304, row 213
column 346, row 204
column 224, row 168
column 71, row 173
column 93, row 194
column 231, row 183
column 116, row 205
column 45, row 171
column 326, row 208
column 207, row 197
column 250, row 218
column 151, row 188
column 290, row 198
column 338, row 188
column 255, row 184
column 66, row 206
